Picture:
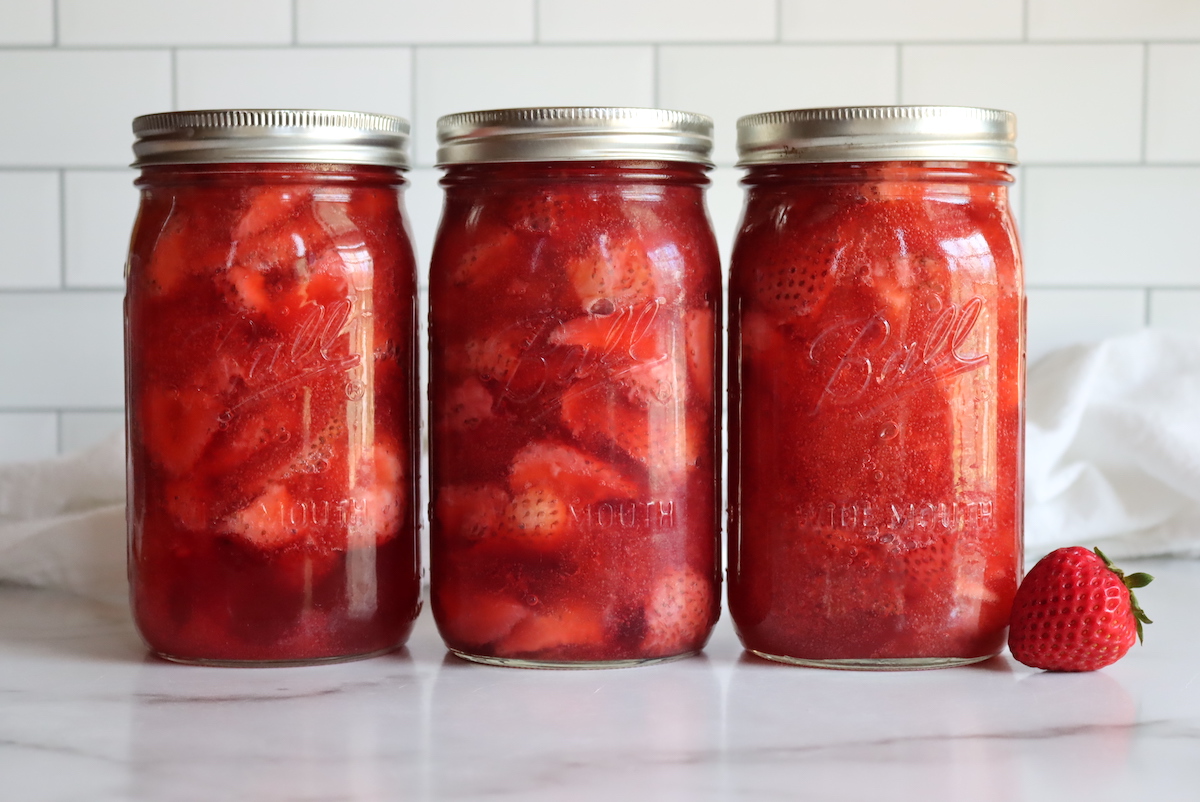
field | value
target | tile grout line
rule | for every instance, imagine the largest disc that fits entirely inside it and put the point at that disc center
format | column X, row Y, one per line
column 1148, row 293
column 899, row 73
column 174, row 79
column 1025, row 20
column 295, row 22
column 58, row 431
column 778, row 20
column 537, row 21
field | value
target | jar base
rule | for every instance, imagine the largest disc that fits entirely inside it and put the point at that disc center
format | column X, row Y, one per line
column 875, row 664
column 512, row 662
column 314, row 661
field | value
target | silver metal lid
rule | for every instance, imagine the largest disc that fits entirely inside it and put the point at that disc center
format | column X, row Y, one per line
column 574, row 134
column 270, row 135
column 878, row 133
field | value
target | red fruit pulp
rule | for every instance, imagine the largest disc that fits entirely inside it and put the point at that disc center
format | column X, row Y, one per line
column 574, row 470
column 271, row 403
column 876, row 372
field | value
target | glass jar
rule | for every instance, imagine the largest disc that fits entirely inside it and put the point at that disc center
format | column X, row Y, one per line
column 574, row 304
column 271, row 387
column 876, row 381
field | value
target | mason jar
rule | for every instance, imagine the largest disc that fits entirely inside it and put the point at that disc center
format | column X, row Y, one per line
column 575, row 301
column 271, row 387
column 877, row 349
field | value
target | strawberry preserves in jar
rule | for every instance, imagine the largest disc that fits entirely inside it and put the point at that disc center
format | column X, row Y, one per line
column 575, row 301
column 876, row 381
column 271, row 387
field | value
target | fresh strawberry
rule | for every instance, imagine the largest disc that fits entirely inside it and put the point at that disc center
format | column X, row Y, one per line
column 476, row 618
column 614, row 273
column 384, row 494
column 548, row 635
column 466, row 406
column 177, row 425
column 701, row 341
column 489, row 259
column 537, row 518
column 470, row 512
column 662, row 436
column 1075, row 611
column 576, row 474
column 264, row 522
column 678, row 614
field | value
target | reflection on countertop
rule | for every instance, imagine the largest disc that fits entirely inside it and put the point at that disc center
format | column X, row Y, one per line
column 86, row 714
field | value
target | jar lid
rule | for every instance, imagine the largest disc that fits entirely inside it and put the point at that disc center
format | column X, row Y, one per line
column 270, row 135
column 878, row 133
column 574, row 134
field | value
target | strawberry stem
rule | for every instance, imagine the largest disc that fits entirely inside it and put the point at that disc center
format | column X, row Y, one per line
column 1138, row 580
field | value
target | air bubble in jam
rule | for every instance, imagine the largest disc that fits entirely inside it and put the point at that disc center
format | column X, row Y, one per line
column 603, row 307
column 889, row 431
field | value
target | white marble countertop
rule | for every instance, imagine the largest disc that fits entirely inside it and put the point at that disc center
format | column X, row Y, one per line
column 85, row 714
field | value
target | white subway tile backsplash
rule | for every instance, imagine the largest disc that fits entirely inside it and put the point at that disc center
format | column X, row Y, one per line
column 1074, row 103
column 1112, row 226
column 100, row 206
column 423, row 202
column 656, row 21
column 728, row 81
column 354, row 78
column 1068, row 20
column 73, row 107
column 1173, row 103
column 30, row 230
column 83, row 429
column 455, row 79
column 61, row 350
column 28, row 436
column 1062, row 317
column 1178, row 310
column 1100, row 86
column 414, row 21
column 912, row 20
column 27, row 22
column 177, row 22
column 724, row 199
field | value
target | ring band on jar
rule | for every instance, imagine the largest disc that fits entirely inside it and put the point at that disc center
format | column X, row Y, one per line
column 876, row 377
column 575, row 301
column 271, row 387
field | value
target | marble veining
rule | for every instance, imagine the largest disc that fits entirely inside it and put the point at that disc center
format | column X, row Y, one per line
column 86, row 714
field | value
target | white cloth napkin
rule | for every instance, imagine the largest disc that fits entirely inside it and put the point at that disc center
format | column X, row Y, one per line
column 1113, row 447
column 1112, row 459
column 62, row 521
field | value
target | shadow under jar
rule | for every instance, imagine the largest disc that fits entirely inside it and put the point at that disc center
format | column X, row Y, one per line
column 575, row 301
column 271, row 388
column 876, row 388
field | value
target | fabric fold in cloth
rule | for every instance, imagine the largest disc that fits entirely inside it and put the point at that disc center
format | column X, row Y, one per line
column 62, row 521
column 1113, row 447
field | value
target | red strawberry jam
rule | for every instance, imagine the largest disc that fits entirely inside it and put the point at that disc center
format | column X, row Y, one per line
column 272, row 433
column 876, row 355
column 574, row 414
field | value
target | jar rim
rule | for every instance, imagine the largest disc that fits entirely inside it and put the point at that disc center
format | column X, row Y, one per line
column 574, row 133
column 878, row 133
column 216, row 136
